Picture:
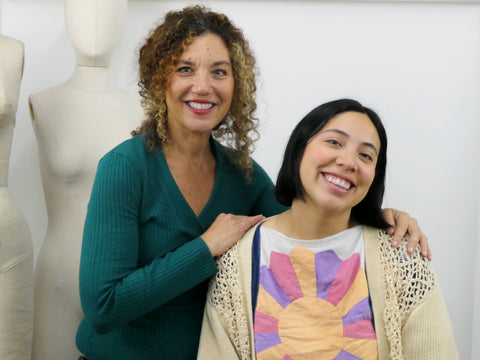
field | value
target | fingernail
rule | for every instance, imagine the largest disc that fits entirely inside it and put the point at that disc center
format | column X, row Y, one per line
column 410, row 250
column 394, row 243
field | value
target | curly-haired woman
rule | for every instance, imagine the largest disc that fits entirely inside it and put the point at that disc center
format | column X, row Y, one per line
column 168, row 201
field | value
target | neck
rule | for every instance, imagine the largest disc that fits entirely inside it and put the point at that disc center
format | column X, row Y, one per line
column 188, row 145
column 195, row 155
column 302, row 221
column 92, row 78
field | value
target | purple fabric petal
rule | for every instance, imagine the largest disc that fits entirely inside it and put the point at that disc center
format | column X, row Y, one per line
column 359, row 311
column 343, row 355
column 327, row 264
column 270, row 284
column 265, row 341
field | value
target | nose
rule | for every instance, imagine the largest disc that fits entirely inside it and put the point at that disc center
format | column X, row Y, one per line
column 348, row 160
column 201, row 84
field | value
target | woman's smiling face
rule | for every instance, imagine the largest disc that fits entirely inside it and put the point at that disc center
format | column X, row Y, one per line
column 200, row 90
column 338, row 165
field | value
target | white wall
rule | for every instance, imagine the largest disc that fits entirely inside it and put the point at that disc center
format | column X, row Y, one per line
column 417, row 64
column 476, row 301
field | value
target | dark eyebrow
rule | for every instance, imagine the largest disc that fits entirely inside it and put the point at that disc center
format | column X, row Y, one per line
column 221, row 62
column 344, row 134
column 216, row 63
column 188, row 62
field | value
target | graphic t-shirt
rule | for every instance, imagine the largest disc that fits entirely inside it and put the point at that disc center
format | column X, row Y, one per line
column 313, row 300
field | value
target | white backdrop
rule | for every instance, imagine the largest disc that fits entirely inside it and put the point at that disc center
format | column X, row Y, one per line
column 416, row 63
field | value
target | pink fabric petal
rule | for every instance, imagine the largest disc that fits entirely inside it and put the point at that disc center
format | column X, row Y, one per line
column 362, row 329
column 265, row 323
column 282, row 269
column 344, row 279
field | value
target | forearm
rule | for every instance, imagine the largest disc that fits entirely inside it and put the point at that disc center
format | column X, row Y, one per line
column 115, row 291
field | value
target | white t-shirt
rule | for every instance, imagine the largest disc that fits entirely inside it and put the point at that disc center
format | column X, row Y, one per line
column 313, row 300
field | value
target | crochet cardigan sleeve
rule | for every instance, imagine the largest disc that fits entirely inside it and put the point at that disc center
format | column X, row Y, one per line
column 227, row 330
column 411, row 319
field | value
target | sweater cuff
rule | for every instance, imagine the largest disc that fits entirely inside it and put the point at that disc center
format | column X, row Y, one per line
column 203, row 262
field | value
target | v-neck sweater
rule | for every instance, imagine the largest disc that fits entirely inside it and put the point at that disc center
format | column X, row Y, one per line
column 144, row 269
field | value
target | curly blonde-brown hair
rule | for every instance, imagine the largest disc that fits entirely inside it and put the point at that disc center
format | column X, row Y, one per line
column 157, row 57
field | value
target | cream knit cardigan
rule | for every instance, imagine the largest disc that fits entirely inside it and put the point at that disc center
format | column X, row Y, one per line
column 411, row 320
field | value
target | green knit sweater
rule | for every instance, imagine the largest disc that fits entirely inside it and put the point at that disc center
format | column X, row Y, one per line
column 144, row 268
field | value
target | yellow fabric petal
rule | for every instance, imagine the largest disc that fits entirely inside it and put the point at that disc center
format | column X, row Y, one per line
column 357, row 292
column 303, row 261
column 362, row 348
column 267, row 304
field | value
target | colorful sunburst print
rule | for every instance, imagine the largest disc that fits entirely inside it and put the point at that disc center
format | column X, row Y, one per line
column 313, row 306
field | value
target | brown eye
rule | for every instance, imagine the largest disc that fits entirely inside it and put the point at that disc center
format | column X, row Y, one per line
column 334, row 142
column 366, row 156
column 220, row 72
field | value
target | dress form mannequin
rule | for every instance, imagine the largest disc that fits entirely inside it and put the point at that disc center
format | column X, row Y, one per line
column 16, row 250
column 75, row 123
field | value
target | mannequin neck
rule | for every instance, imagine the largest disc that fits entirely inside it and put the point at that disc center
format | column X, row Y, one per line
column 92, row 78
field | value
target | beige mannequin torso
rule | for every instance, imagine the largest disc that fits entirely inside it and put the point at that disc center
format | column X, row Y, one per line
column 75, row 127
column 11, row 67
column 16, row 250
column 76, row 123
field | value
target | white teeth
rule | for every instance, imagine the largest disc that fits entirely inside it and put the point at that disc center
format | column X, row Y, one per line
column 200, row 106
column 339, row 182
